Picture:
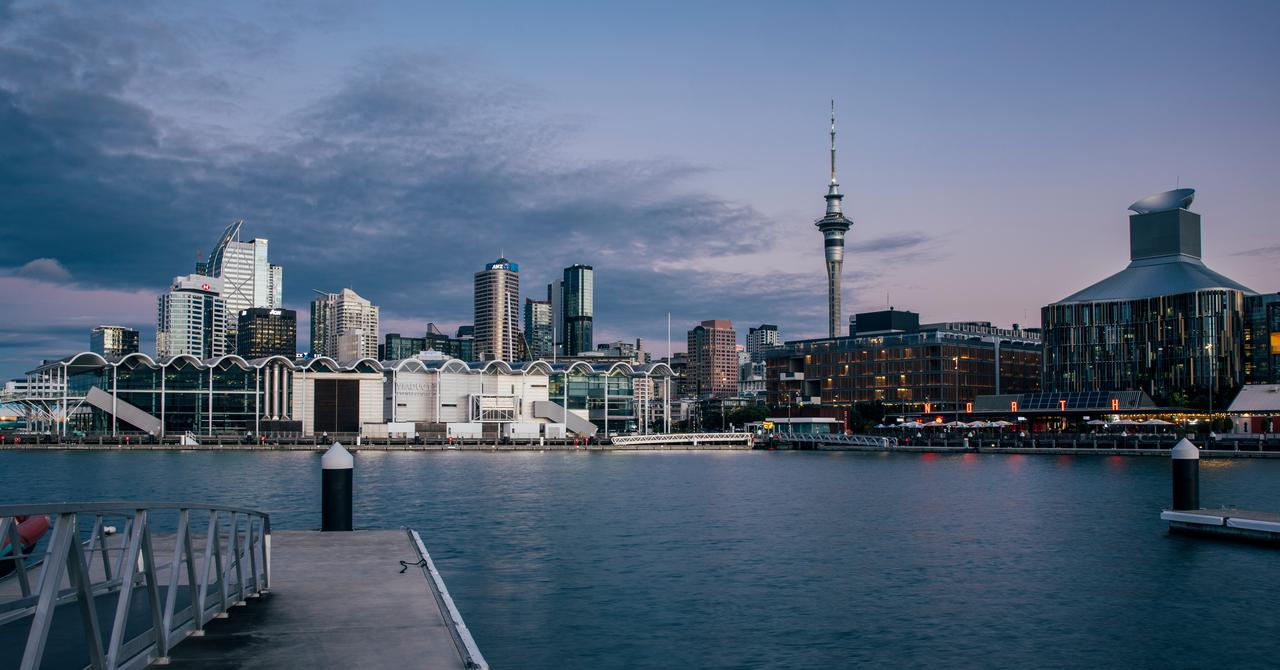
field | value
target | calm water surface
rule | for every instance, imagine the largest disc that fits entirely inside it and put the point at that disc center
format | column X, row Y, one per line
column 755, row 560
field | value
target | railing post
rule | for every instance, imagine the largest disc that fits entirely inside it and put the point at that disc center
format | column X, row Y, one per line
column 50, row 580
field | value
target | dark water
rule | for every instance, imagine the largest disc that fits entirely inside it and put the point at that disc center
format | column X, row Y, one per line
column 747, row 560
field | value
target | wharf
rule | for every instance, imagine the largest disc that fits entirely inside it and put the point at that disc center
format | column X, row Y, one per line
column 336, row 599
column 1227, row 523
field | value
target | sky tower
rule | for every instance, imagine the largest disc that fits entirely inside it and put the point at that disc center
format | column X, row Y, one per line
column 833, row 227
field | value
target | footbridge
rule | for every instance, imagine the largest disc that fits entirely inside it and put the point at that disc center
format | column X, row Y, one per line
column 686, row 440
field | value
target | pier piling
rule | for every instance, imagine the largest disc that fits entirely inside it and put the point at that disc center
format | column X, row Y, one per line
column 1186, row 476
column 337, row 466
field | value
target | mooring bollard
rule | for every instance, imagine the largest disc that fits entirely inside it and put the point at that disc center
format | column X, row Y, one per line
column 336, row 467
column 1186, row 476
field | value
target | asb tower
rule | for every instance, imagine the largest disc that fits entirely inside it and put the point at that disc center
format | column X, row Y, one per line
column 833, row 225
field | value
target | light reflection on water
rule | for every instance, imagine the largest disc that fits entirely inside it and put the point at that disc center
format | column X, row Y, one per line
column 649, row 560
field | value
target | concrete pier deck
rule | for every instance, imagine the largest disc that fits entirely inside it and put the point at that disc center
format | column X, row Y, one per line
column 1226, row 522
column 337, row 600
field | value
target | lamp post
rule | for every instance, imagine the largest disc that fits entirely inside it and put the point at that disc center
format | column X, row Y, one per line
column 956, row 358
column 1209, row 348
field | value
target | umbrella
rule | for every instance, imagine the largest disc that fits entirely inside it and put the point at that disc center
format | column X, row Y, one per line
column 979, row 424
column 957, row 424
column 1001, row 424
column 1156, row 422
column 1097, row 422
column 1123, row 422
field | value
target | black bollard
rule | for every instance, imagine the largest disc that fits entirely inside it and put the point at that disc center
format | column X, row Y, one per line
column 336, row 467
column 1186, row 476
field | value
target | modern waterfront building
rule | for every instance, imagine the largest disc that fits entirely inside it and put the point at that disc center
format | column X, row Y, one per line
column 579, row 308
column 248, row 278
column 760, row 339
column 336, row 314
column 834, row 226
column 497, row 312
column 464, row 343
column 938, row 367
column 113, row 340
column 229, row 395
column 264, row 332
column 1262, row 339
column 713, row 359
column 191, row 318
column 622, row 350
column 537, row 328
column 1166, row 324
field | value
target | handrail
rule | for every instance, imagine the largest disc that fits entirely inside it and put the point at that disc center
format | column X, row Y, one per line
column 458, row 630
column 680, row 438
column 79, row 573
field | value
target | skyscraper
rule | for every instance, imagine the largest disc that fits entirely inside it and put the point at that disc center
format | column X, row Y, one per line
column 833, row 226
column 579, row 308
column 713, row 359
column 336, row 314
column 760, row 339
column 537, row 327
column 248, row 279
column 555, row 296
column 191, row 318
column 113, row 341
column 497, row 311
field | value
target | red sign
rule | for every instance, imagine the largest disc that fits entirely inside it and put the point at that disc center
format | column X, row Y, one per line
column 968, row 407
column 204, row 287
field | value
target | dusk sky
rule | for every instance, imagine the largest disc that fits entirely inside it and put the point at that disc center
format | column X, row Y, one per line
column 987, row 153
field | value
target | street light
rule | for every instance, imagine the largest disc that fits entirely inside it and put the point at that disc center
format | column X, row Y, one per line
column 1209, row 348
column 956, row 358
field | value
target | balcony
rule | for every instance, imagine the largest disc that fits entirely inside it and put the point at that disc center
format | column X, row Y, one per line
column 791, row 376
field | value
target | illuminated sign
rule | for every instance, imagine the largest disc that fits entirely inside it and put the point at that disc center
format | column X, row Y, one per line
column 968, row 407
column 1115, row 403
column 928, row 407
column 767, row 425
column 1062, row 405
column 1013, row 405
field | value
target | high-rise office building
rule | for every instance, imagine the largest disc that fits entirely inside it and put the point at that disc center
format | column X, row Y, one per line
column 464, row 343
column 537, row 327
column 113, row 341
column 1165, row 324
column 555, row 296
column 713, row 359
column 248, row 278
column 191, row 318
column 497, row 312
column 578, row 302
column 1262, row 339
column 761, row 339
column 833, row 225
column 264, row 332
column 396, row 346
column 335, row 314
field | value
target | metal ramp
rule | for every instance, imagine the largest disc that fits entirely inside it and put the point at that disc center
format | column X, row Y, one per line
column 123, row 411
column 548, row 409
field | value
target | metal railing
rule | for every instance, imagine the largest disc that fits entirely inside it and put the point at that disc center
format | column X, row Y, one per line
column 658, row 439
column 79, row 572
column 837, row 440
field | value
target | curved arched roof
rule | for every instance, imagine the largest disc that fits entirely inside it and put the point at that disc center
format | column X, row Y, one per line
column 215, row 362
column 147, row 360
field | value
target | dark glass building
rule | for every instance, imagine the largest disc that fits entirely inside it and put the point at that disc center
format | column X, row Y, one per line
column 115, row 341
column 395, row 346
column 1262, row 339
column 263, row 332
column 929, row 368
column 1166, row 324
column 579, row 309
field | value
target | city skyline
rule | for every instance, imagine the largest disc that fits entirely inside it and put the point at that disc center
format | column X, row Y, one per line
column 966, row 206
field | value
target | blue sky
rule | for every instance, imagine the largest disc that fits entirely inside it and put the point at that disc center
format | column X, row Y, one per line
column 988, row 153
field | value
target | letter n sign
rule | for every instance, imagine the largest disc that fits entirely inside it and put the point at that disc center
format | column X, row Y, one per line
column 1013, row 405
column 928, row 408
column 1062, row 405
column 1115, row 403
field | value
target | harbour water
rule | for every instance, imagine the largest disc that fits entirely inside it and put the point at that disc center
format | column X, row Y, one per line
column 775, row 559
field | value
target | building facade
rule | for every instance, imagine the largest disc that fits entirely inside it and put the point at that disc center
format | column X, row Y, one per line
column 578, row 304
column 760, row 339
column 336, row 314
column 934, row 368
column 537, row 328
column 264, row 332
column 497, row 312
column 191, row 318
column 113, row 341
column 1166, row 324
column 713, row 359
column 1262, row 339
column 248, row 278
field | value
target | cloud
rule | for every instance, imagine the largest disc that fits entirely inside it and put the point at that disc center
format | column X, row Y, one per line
column 401, row 181
column 48, row 269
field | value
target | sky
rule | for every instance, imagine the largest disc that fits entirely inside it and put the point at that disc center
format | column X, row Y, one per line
column 988, row 153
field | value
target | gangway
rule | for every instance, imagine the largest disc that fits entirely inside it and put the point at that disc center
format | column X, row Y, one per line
column 663, row 440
